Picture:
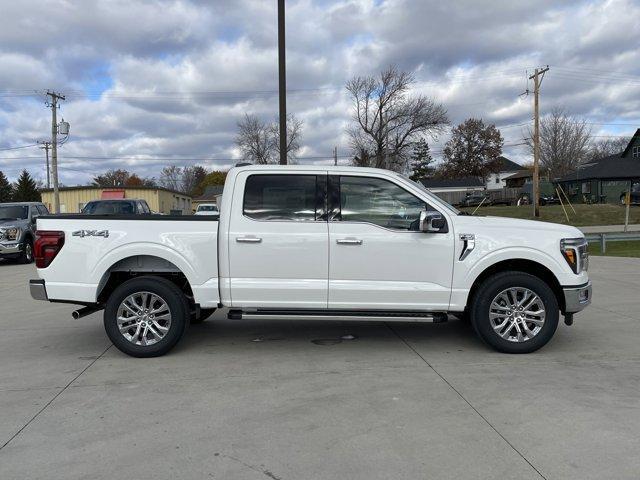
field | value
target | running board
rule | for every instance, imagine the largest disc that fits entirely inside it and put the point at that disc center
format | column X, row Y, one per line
column 339, row 315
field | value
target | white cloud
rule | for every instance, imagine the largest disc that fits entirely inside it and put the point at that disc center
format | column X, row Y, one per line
column 171, row 79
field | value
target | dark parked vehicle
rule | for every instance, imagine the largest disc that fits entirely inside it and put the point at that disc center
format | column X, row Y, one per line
column 635, row 195
column 17, row 229
column 116, row 207
column 474, row 200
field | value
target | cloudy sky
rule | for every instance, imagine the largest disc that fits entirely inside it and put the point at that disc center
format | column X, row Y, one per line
column 153, row 83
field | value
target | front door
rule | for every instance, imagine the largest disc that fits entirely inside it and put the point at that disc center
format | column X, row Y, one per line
column 278, row 240
column 379, row 260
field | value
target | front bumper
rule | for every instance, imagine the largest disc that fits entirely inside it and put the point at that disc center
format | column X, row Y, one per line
column 7, row 249
column 38, row 290
column 576, row 298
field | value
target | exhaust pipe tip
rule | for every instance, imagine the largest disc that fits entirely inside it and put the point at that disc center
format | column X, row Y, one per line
column 84, row 311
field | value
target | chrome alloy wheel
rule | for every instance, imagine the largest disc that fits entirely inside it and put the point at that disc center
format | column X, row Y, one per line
column 517, row 314
column 144, row 318
column 28, row 252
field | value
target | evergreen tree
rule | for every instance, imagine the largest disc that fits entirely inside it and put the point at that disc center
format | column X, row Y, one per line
column 6, row 190
column 421, row 160
column 25, row 189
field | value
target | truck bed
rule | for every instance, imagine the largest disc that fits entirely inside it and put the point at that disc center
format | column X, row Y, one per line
column 94, row 246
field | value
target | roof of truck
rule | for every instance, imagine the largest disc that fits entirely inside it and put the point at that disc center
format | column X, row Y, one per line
column 337, row 168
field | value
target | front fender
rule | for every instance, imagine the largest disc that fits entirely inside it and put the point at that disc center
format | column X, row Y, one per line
column 512, row 253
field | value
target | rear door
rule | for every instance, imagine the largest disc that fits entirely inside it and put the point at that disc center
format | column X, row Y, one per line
column 379, row 260
column 278, row 240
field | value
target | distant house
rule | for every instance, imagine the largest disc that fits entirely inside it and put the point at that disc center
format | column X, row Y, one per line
column 608, row 179
column 519, row 179
column 453, row 191
column 212, row 194
column 496, row 181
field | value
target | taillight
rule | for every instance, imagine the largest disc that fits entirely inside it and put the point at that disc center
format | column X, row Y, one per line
column 48, row 244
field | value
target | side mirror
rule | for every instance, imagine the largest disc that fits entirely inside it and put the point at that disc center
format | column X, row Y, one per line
column 432, row 222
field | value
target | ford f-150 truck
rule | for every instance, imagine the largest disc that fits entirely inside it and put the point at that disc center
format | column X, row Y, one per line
column 313, row 242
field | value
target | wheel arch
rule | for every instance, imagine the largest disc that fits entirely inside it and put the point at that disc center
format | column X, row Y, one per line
column 520, row 265
column 141, row 265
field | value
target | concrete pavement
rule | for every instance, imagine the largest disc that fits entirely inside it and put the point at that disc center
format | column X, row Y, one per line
column 261, row 400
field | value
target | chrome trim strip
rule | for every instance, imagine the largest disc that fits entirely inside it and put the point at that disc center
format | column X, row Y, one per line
column 469, row 240
column 280, row 316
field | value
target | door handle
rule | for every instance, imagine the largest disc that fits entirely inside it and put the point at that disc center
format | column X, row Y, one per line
column 248, row 239
column 349, row 241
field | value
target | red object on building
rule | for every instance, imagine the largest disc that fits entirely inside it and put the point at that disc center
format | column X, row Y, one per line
column 112, row 194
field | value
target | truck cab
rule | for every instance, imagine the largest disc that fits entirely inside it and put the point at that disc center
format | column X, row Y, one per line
column 315, row 242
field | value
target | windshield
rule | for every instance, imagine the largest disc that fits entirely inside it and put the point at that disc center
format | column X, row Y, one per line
column 207, row 208
column 11, row 212
column 109, row 208
column 426, row 190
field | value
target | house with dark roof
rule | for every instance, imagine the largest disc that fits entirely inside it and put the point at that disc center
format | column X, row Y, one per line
column 496, row 181
column 608, row 179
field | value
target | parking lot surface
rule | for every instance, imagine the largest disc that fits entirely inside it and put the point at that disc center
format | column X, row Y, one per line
column 294, row 400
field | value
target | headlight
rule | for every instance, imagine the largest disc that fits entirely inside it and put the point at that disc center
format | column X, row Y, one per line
column 575, row 251
column 11, row 233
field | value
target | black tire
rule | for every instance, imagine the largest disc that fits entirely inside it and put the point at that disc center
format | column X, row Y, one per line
column 175, row 300
column 490, row 288
column 27, row 252
column 204, row 314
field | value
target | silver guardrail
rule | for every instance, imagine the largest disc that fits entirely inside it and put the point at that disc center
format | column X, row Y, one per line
column 603, row 238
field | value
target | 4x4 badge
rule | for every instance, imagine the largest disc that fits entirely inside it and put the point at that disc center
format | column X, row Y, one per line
column 91, row 233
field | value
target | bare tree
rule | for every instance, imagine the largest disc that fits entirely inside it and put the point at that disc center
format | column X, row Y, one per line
column 474, row 149
column 564, row 143
column 259, row 142
column 607, row 146
column 192, row 176
column 254, row 140
column 171, row 178
column 388, row 120
column 294, row 130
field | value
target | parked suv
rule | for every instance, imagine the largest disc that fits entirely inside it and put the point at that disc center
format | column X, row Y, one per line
column 17, row 227
column 117, row 207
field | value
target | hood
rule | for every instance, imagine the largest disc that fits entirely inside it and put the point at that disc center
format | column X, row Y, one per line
column 12, row 223
column 565, row 231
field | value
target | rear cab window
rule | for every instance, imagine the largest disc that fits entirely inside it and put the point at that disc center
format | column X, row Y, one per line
column 290, row 197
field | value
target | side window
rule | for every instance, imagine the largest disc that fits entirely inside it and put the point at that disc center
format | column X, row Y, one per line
column 145, row 207
column 285, row 197
column 377, row 201
column 43, row 210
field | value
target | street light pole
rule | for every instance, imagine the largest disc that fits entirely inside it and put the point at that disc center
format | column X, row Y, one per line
column 282, row 77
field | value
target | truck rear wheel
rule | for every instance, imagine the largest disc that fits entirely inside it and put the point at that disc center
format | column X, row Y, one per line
column 146, row 316
column 515, row 312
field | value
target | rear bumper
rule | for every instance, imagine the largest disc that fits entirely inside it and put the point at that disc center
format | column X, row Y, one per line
column 38, row 290
column 577, row 298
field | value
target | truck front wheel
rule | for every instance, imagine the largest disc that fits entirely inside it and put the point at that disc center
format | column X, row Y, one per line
column 514, row 312
column 146, row 316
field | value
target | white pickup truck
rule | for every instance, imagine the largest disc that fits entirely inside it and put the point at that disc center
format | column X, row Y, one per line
column 313, row 242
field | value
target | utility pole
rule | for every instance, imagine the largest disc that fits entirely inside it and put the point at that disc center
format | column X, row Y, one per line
column 46, row 146
column 282, row 76
column 537, row 77
column 335, row 156
column 54, row 145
